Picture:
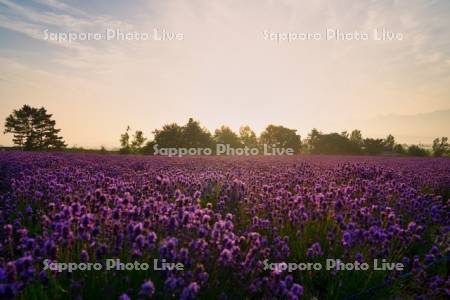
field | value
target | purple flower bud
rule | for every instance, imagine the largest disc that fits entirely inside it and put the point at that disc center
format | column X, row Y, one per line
column 190, row 292
column 43, row 278
column 147, row 289
column 124, row 297
column 84, row 256
column 297, row 289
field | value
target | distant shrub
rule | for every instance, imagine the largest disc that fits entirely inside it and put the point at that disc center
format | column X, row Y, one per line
column 415, row 150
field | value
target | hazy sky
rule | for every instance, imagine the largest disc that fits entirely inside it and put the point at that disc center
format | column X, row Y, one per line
column 224, row 70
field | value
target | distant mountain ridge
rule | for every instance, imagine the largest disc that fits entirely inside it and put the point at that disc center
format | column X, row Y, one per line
column 412, row 129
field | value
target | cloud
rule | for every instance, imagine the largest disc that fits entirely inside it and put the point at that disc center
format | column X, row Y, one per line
column 61, row 6
column 31, row 30
column 32, row 21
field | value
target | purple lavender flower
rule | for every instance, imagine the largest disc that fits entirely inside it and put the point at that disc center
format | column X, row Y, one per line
column 296, row 290
column 147, row 289
column 190, row 292
column 124, row 297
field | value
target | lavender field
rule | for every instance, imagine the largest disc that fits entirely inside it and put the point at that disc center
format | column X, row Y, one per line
column 223, row 219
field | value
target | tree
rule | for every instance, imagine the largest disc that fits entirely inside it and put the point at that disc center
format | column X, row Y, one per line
column 441, row 146
column 281, row 137
column 33, row 129
column 170, row 136
column 46, row 133
column 125, row 141
column 191, row 135
column 133, row 146
column 399, row 149
column 138, row 141
column 312, row 140
column 415, row 150
column 248, row 137
column 345, row 134
column 224, row 135
column 332, row 143
column 148, row 148
column 194, row 136
column 389, row 143
column 356, row 138
column 373, row 146
column 19, row 124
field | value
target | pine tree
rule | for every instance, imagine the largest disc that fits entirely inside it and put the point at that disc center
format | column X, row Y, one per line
column 33, row 129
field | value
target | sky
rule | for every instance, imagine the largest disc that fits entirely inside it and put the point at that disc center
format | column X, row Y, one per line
column 228, row 65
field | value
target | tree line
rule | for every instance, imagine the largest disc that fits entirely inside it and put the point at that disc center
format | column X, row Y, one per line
column 193, row 135
column 34, row 129
column 354, row 143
